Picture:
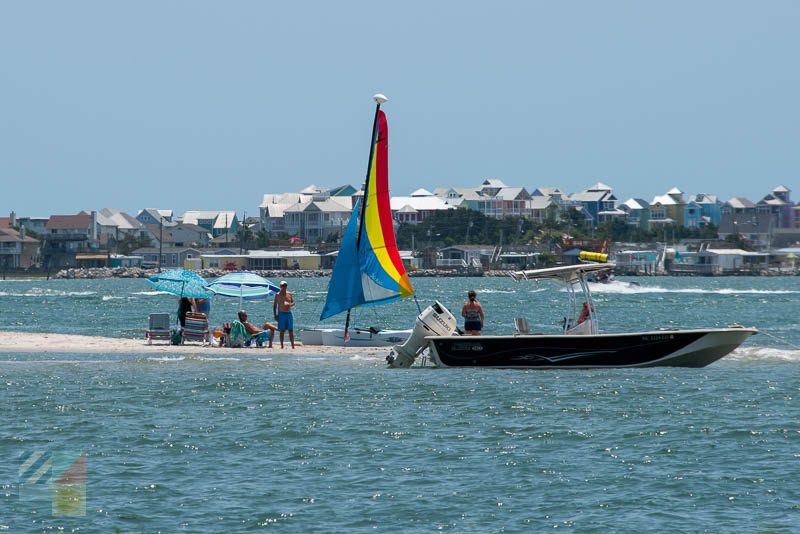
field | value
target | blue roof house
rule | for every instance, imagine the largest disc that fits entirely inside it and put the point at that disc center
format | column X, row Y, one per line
column 595, row 199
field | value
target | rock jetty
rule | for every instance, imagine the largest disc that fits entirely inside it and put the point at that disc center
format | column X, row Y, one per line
column 137, row 272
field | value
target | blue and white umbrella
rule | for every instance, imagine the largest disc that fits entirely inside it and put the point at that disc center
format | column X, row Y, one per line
column 182, row 283
column 244, row 285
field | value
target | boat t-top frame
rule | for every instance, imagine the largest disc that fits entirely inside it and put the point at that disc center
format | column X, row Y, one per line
column 574, row 277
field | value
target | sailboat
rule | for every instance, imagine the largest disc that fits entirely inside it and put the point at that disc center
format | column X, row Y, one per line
column 368, row 269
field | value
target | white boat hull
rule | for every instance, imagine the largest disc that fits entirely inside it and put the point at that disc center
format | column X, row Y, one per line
column 334, row 337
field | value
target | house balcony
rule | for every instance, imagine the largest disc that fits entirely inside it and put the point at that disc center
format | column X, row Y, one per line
column 66, row 237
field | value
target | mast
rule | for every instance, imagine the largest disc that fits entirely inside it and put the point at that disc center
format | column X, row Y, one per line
column 379, row 99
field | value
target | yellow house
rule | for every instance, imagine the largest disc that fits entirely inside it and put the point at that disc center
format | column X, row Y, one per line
column 668, row 209
column 231, row 262
column 261, row 260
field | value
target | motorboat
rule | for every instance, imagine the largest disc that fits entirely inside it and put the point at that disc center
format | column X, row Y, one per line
column 579, row 345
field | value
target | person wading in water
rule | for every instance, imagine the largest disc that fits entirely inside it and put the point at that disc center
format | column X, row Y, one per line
column 472, row 312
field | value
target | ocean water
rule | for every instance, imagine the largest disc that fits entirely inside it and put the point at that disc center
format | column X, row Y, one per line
column 338, row 443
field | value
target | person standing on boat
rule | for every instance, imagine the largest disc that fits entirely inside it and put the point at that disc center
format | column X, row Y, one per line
column 282, row 308
column 472, row 312
column 584, row 313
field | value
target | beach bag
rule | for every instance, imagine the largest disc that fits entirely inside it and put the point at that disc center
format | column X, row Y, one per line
column 176, row 339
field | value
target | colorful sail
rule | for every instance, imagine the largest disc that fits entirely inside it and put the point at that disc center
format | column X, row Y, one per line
column 373, row 272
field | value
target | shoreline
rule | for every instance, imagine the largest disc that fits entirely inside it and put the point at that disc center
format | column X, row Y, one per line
column 36, row 342
column 97, row 273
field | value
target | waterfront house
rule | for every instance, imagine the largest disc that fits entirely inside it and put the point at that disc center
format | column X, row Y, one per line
column 272, row 210
column 315, row 220
column 710, row 208
column 637, row 212
column 514, row 201
column 264, row 260
column 693, row 215
column 159, row 235
column 596, row 199
column 738, row 205
column 154, row 216
column 553, row 192
column 216, row 222
column 173, row 257
column 758, row 228
column 117, row 224
column 778, row 203
column 38, row 225
column 635, row 261
column 466, row 256
column 189, row 235
column 69, row 235
column 667, row 209
column 492, row 198
column 17, row 251
column 542, row 209
column 417, row 207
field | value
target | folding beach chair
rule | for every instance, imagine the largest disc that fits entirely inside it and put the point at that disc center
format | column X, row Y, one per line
column 238, row 336
column 159, row 328
column 196, row 328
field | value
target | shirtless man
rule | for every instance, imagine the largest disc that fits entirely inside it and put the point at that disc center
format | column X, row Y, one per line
column 282, row 308
column 256, row 332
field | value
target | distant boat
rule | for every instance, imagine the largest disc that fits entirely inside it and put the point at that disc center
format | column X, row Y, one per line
column 368, row 269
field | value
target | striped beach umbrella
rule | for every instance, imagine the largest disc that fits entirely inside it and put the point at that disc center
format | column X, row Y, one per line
column 244, row 285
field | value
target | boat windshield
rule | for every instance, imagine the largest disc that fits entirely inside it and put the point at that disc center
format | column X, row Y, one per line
column 574, row 277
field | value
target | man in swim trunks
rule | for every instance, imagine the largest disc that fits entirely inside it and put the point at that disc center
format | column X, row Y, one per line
column 282, row 308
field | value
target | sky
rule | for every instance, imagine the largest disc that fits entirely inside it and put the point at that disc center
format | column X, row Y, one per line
column 209, row 105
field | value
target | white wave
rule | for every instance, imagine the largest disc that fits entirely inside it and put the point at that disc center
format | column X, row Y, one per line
column 366, row 357
column 626, row 289
column 764, row 354
column 113, row 297
column 192, row 358
column 37, row 292
column 152, row 293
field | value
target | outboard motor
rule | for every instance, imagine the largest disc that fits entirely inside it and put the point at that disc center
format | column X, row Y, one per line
column 435, row 320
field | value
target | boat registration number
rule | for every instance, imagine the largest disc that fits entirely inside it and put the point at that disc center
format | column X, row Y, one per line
column 477, row 347
column 658, row 337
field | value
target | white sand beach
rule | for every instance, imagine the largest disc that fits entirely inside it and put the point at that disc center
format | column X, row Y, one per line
column 41, row 342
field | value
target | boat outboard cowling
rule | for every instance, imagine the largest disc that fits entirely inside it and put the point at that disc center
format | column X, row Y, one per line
column 435, row 320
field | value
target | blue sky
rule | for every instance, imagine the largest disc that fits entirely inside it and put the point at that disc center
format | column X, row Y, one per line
column 208, row 105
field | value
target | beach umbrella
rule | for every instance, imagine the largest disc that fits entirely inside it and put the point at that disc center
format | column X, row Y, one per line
column 182, row 283
column 244, row 285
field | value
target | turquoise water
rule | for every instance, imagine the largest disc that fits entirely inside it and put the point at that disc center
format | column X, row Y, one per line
column 333, row 443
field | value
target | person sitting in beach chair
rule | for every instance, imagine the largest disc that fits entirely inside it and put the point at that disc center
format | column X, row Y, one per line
column 195, row 328
column 243, row 333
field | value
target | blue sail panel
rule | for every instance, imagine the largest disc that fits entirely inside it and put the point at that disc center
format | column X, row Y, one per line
column 377, row 286
column 344, row 289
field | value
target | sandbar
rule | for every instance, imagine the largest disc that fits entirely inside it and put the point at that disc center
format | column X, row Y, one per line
column 47, row 342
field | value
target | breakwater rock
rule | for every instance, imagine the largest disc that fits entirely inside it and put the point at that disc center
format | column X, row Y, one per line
column 274, row 275
column 210, row 274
